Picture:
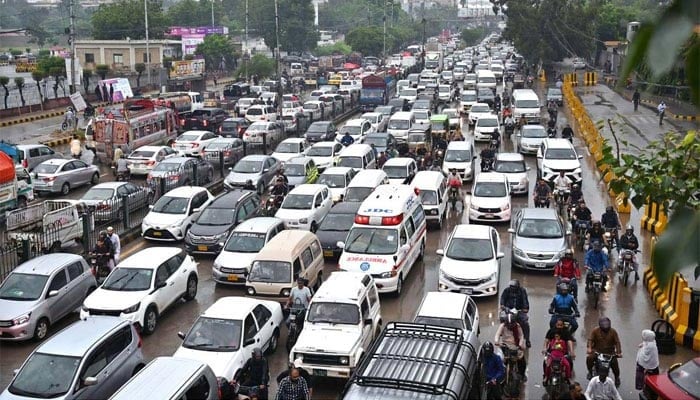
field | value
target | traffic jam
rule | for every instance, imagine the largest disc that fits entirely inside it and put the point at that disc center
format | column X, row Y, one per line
column 427, row 226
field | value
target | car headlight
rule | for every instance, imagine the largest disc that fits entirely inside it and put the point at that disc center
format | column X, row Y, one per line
column 506, row 207
column 176, row 225
column 131, row 309
column 561, row 254
column 493, row 277
column 386, row 275
column 24, row 318
column 304, row 221
column 523, row 181
column 518, row 252
column 344, row 360
column 577, row 170
column 473, row 206
column 84, row 308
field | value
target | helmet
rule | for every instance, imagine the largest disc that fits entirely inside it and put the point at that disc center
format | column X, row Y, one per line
column 604, row 323
column 596, row 245
column 487, row 348
column 630, row 229
column 568, row 253
column 596, row 222
column 609, row 209
column 514, row 283
column 563, row 288
column 257, row 352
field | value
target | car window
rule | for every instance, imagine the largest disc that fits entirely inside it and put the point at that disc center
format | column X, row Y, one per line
column 199, row 390
column 250, row 328
column 307, row 257
column 68, row 167
column 118, row 343
column 297, row 268
column 262, row 314
column 315, row 249
column 471, row 312
column 251, row 204
column 199, row 199
column 58, row 281
column 162, row 274
column 318, row 200
column 410, row 229
column 418, row 216
column 34, row 152
column 45, row 151
column 75, row 270
column 173, row 264
column 241, row 214
column 372, row 296
column 122, row 191
column 402, row 234
column 79, row 164
column 364, row 309
column 96, row 362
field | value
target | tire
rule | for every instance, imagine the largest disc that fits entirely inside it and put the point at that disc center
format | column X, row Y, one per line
column 596, row 295
column 191, row 289
column 150, row 321
column 260, row 189
column 41, row 329
column 422, row 251
column 65, row 189
column 314, row 227
column 274, row 342
column 625, row 275
column 95, row 179
column 291, row 339
column 399, row 286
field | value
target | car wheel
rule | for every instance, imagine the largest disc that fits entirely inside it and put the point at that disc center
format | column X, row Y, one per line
column 274, row 341
column 150, row 320
column 95, row 178
column 191, row 291
column 399, row 286
column 65, row 189
column 261, row 188
column 422, row 251
column 41, row 329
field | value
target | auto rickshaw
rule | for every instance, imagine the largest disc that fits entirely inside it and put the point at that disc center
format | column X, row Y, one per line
column 419, row 140
column 440, row 125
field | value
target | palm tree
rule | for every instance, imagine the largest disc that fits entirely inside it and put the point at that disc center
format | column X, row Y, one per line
column 38, row 75
column 19, row 81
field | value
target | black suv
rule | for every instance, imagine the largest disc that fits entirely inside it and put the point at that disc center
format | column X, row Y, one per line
column 321, row 131
column 211, row 229
column 206, row 119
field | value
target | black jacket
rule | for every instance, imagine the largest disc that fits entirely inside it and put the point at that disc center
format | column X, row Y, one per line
column 515, row 298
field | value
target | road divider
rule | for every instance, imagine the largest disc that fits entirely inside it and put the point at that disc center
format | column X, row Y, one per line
column 654, row 219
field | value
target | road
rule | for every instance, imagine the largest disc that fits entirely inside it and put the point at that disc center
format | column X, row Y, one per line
column 629, row 308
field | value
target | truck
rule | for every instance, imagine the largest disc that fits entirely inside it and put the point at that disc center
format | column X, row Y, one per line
column 433, row 61
column 16, row 189
column 376, row 91
column 49, row 225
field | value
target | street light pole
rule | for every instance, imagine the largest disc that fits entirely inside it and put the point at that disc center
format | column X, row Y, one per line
column 212, row 13
column 73, row 86
column 148, row 48
column 246, row 50
column 277, row 58
column 384, row 20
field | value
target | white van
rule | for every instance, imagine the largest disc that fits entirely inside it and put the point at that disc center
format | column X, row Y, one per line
column 400, row 170
column 460, row 156
column 364, row 183
column 399, row 125
column 387, row 238
column 432, row 189
column 486, row 79
column 357, row 156
column 526, row 102
column 296, row 69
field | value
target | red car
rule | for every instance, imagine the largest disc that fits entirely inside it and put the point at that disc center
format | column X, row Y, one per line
column 681, row 382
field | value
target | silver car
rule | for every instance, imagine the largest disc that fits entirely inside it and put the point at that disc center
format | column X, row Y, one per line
column 31, row 155
column 60, row 176
column 232, row 149
column 539, row 238
column 106, row 199
column 259, row 169
column 89, row 359
column 40, row 292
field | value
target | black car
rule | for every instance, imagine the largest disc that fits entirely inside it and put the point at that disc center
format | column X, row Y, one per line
column 206, row 119
column 234, row 127
column 485, row 95
column 211, row 229
column 400, row 104
column 335, row 227
column 321, row 131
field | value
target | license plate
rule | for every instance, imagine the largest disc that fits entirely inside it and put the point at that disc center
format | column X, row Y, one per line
column 489, row 216
column 467, row 291
column 232, row 278
column 320, row 372
column 202, row 248
column 540, row 265
column 156, row 233
column 328, row 253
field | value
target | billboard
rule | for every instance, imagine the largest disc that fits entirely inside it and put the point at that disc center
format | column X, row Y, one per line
column 199, row 30
column 186, row 69
column 190, row 42
column 121, row 87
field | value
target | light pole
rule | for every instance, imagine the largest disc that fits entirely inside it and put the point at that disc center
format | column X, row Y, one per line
column 148, row 48
column 384, row 20
column 212, row 13
column 277, row 58
column 245, row 50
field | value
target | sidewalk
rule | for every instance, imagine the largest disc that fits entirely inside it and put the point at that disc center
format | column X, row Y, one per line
column 674, row 108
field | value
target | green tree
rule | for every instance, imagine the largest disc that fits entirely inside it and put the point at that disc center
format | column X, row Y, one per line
column 102, row 70
column 337, row 48
column 195, row 13
column 140, row 68
column 38, row 76
column 55, row 67
column 258, row 65
column 214, row 48
column 472, row 36
column 296, row 30
column 3, row 82
column 125, row 18
column 366, row 40
column 19, row 82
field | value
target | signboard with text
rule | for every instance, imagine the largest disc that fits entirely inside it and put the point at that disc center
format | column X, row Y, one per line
column 199, row 30
column 187, row 69
column 190, row 43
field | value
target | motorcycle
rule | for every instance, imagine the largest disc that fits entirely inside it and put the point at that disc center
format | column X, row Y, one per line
column 561, row 196
column 511, row 385
column 625, row 265
column 610, row 237
column 232, row 390
column 594, row 285
column 551, row 132
column 297, row 313
column 541, row 202
column 122, row 176
column 603, row 361
column 272, row 205
column 487, row 164
column 454, row 196
column 555, row 383
column 99, row 266
column 510, row 128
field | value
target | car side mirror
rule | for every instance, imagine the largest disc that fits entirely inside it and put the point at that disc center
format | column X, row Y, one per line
column 368, row 321
column 500, row 255
column 160, row 284
column 474, row 158
column 440, row 252
column 511, row 230
column 568, row 233
column 527, row 168
column 52, row 293
column 150, row 206
column 580, row 157
column 341, row 245
column 266, row 170
column 181, row 335
column 14, row 372
column 405, row 247
column 196, row 210
column 90, row 381
column 248, row 342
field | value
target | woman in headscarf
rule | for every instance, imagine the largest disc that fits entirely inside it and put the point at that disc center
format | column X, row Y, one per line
column 647, row 358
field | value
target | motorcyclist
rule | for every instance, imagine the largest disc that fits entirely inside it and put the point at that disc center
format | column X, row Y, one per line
column 280, row 174
column 494, row 370
column 557, row 349
column 596, row 261
column 254, row 377
column 542, row 190
column 515, row 296
column 280, row 188
column 453, row 180
column 508, row 113
column 560, row 329
column 104, row 251
column 439, row 144
column 122, row 166
column 604, row 339
column 509, row 121
column 511, row 334
column 488, row 155
column 436, row 166
column 564, row 306
column 562, row 185
column 597, row 233
column 610, row 220
column 567, row 132
column 347, row 140
column 249, row 185
column 629, row 241
column 568, row 268
column 496, row 135
column 69, row 117
column 583, row 216
column 576, row 195
column 497, row 103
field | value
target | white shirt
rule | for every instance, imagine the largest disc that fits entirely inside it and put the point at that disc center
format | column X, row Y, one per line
column 116, row 244
column 597, row 390
column 302, row 296
column 562, row 182
column 661, row 107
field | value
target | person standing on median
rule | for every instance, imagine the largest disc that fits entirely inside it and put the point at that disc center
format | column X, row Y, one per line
column 662, row 110
column 635, row 99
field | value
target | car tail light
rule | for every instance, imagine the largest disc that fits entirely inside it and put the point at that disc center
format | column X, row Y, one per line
column 150, row 163
column 195, row 145
column 50, row 179
column 25, row 164
column 182, row 122
column 205, row 122
column 173, row 177
column 103, row 206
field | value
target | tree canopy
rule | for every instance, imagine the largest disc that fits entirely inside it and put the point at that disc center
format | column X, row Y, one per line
column 296, row 29
column 214, row 49
column 125, row 19
column 196, row 13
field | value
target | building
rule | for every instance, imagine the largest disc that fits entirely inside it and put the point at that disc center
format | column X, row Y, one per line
column 122, row 55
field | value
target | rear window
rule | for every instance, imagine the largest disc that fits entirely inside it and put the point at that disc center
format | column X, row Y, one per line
column 254, row 111
column 200, row 113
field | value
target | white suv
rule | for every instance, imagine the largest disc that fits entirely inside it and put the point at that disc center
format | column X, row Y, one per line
column 343, row 318
column 555, row 155
column 305, row 207
column 172, row 215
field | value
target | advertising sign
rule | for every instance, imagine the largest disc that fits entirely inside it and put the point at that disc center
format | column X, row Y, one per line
column 186, row 69
column 199, row 30
column 190, row 42
column 120, row 86
column 78, row 101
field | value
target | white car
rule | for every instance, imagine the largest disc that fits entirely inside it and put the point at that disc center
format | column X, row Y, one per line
column 193, row 143
column 490, row 198
column 290, row 148
column 273, row 132
column 337, row 179
column 378, row 120
column 291, row 107
column 314, row 109
column 357, row 128
column 530, row 138
column 477, row 111
column 305, row 207
column 467, row 99
column 324, row 154
column 484, row 127
column 408, row 94
column 225, row 335
column 579, row 63
column 174, row 213
column 471, row 261
column 555, row 155
column 142, row 160
column 454, row 117
column 144, row 285
column 512, row 165
column 470, row 81
column 445, row 93
column 422, row 116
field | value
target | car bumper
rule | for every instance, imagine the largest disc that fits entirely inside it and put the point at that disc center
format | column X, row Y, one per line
column 163, row 235
column 297, row 225
column 489, row 288
column 203, row 248
column 328, row 371
column 482, row 137
column 140, row 170
column 18, row 333
column 550, row 176
column 476, row 215
column 55, row 188
column 530, row 149
column 432, row 213
column 528, row 263
column 228, row 276
column 519, row 188
column 135, row 317
column 387, row 285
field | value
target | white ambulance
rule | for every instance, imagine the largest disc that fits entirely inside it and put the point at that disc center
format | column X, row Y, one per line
column 387, row 238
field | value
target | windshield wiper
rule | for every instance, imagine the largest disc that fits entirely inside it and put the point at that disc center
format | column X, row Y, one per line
column 325, row 321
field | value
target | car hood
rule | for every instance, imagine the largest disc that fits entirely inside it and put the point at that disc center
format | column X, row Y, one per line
column 329, row 239
column 457, row 165
column 239, row 177
column 561, row 164
column 222, row 363
column 209, row 230
column 228, row 259
column 534, row 245
column 515, row 177
column 489, row 202
column 292, row 215
column 284, row 157
column 102, row 299
column 10, row 309
column 327, row 338
column 468, row 269
column 532, row 142
column 162, row 220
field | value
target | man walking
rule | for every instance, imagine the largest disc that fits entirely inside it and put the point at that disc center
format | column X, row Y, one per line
column 635, row 99
column 116, row 244
column 662, row 110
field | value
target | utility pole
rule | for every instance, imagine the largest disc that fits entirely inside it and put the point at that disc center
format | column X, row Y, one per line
column 212, row 13
column 71, row 39
column 246, row 53
column 384, row 20
column 148, row 48
column 277, row 59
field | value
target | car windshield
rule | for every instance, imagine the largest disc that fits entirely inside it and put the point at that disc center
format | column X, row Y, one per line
column 166, row 167
column 332, row 180
column 480, row 109
column 218, row 145
column 468, row 97
column 350, row 162
column 333, row 313
column 254, row 111
column 490, row 189
column 45, row 376
column 188, row 138
column 560, row 154
column 386, row 110
column 286, row 147
column 215, row 216
column 357, row 194
column 245, row 242
column 298, row 201
column 142, row 154
column 409, row 92
column 416, row 137
column 527, row 103
column 46, row 168
column 270, row 272
column 686, row 377
column 128, row 279
column 376, row 141
column 214, row 334
column 428, row 197
column 458, row 155
column 257, row 128
column 554, row 92
column 487, row 79
column 248, row 167
column 487, row 123
column 372, row 118
column 98, row 194
column 171, row 205
column 372, row 241
column 337, row 222
column 444, row 89
column 535, row 132
column 451, row 113
column 507, row 167
column 396, row 171
column 398, row 124
column 294, row 170
column 320, row 151
column 540, row 229
column 446, row 322
column 470, row 249
column 421, row 114
column 23, row 287
column 351, row 129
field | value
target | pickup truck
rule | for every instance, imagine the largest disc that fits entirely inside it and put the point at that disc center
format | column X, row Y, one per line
column 208, row 119
column 48, row 225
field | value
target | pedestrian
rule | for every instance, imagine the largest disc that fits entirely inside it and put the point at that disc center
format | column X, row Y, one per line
column 647, row 358
column 304, row 374
column 635, row 99
column 105, row 93
column 293, row 387
column 111, row 93
column 662, row 110
column 116, row 244
column 98, row 93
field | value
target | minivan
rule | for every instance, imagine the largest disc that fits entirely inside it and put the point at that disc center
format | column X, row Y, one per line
column 358, row 157
column 526, row 104
column 486, row 79
column 432, row 189
column 285, row 258
column 364, row 183
column 460, row 156
column 400, row 170
column 400, row 123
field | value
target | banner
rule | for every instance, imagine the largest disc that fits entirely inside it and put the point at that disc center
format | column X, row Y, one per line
column 120, row 86
column 187, row 69
column 199, row 30
column 78, row 101
column 190, row 42
column 78, row 72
